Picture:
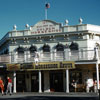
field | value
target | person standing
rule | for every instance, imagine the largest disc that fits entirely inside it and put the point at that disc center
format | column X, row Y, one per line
column 74, row 84
column 95, row 86
column 2, row 86
column 9, row 86
column 89, row 84
column 36, row 58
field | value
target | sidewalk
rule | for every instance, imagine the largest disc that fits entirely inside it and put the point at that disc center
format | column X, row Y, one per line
column 52, row 94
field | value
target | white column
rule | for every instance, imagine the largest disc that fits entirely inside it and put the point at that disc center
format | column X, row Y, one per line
column 97, row 67
column 10, row 56
column 67, row 81
column 67, row 54
column 15, row 57
column 51, row 55
column 14, row 87
column 28, row 56
column 25, row 56
column 55, row 53
column 40, row 86
column 97, row 70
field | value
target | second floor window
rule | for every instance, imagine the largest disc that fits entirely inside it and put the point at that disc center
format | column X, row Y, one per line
column 60, row 47
column 33, row 49
column 74, row 46
column 20, row 50
column 46, row 48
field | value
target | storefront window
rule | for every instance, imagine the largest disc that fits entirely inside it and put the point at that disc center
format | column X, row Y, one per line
column 77, row 76
column 94, row 76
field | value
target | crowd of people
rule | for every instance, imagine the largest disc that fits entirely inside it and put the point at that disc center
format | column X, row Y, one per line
column 7, row 87
column 90, row 85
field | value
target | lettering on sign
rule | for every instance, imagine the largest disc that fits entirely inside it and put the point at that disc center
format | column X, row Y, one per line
column 26, row 66
column 54, row 65
column 46, row 27
column 42, row 66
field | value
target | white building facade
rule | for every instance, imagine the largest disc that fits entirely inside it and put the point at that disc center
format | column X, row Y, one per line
column 65, row 53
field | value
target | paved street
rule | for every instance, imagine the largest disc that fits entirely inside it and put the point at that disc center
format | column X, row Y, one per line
column 50, row 96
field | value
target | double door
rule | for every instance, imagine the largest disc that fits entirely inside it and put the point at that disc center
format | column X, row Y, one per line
column 56, row 81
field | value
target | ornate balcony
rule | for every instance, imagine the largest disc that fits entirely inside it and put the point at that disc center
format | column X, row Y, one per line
column 84, row 55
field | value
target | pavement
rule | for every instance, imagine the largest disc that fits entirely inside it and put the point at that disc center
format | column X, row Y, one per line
column 49, row 95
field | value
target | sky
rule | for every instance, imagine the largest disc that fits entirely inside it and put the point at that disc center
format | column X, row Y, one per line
column 22, row 12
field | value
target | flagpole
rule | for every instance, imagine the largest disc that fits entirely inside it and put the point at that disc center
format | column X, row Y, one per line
column 45, row 13
column 47, row 5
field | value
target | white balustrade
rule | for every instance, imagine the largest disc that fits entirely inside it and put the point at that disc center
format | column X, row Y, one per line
column 67, row 55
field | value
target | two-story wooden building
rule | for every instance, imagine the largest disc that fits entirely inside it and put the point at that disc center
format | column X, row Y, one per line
column 65, row 53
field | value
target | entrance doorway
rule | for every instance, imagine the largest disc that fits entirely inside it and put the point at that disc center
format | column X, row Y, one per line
column 56, row 81
column 20, row 82
column 34, row 82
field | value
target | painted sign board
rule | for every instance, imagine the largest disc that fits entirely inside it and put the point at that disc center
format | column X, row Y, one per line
column 46, row 26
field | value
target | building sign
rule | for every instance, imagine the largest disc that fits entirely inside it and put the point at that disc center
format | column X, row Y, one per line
column 54, row 65
column 12, row 67
column 42, row 66
column 46, row 26
column 26, row 66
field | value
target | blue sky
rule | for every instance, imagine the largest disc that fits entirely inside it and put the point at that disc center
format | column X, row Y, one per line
column 21, row 12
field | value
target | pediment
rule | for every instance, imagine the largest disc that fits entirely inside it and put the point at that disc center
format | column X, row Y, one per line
column 46, row 26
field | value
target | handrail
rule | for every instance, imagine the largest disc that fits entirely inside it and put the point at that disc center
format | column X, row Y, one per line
column 49, row 56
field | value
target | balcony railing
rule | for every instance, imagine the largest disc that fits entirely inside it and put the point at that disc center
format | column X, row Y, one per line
column 49, row 56
column 5, row 58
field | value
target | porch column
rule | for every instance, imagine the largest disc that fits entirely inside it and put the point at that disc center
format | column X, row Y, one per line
column 14, row 75
column 25, row 55
column 40, row 86
column 15, row 57
column 97, row 67
column 97, row 70
column 67, row 80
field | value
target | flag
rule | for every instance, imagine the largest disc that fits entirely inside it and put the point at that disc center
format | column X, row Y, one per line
column 47, row 5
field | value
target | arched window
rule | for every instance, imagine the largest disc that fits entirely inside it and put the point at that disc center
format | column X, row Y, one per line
column 20, row 50
column 60, row 47
column 6, row 51
column 74, row 46
column 33, row 49
column 46, row 48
